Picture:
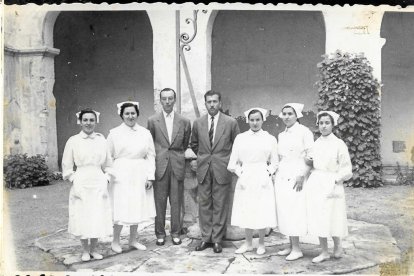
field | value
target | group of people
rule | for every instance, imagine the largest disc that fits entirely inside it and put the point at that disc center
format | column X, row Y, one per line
column 292, row 182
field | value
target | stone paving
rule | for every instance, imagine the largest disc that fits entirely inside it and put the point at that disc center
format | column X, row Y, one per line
column 366, row 247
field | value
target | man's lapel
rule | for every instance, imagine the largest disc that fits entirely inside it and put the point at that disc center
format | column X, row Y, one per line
column 163, row 126
column 176, row 127
column 219, row 130
column 204, row 131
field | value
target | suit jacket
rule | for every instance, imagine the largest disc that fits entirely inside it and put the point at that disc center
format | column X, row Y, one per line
column 217, row 155
column 165, row 151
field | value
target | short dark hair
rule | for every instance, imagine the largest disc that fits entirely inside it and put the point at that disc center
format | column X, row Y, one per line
column 85, row 111
column 288, row 106
column 326, row 114
column 211, row 93
column 125, row 105
column 169, row 89
column 254, row 111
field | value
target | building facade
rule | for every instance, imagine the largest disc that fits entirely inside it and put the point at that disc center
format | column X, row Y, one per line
column 60, row 59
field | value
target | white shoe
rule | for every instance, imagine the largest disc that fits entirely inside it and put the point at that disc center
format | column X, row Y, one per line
column 85, row 257
column 96, row 256
column 284, row 252
column 294, row 256
column 261, row 250
column 243, row 249
column 138, row 246
column 320, row 258
column 338, row 253
column 116, row 248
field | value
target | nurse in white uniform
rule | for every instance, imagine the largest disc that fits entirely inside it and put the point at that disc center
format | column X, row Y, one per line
column 324, row 188
column 89, row 205
column 133, row 154
column 294, row 143
column 254, row 160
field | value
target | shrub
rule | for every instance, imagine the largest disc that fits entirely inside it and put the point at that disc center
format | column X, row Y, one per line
column 348, row 87
column 404, row 176
column 22, row 171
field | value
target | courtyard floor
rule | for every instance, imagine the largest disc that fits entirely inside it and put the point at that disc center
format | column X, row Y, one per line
column 380, row 242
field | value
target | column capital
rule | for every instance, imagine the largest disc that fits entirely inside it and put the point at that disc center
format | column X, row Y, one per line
column 41, row 51
column 355, row 30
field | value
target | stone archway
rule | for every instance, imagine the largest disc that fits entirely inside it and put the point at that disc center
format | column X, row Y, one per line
column 105, row 58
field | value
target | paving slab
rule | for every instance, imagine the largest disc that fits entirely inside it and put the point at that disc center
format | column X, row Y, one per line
column 365, row 249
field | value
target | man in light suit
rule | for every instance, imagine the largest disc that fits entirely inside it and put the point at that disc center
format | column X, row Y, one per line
column 212, row 140
column 171, row 133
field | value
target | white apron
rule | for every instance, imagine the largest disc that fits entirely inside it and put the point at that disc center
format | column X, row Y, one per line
column 131, row 202
column 291, row 205
column 325, row 205
column 89, row 204
column 254, row 206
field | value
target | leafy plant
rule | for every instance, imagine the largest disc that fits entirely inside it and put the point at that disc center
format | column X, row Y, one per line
column 348, row 87
column 22, row 171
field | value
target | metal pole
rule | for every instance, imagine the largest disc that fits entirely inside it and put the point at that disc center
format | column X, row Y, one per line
column 177, row 64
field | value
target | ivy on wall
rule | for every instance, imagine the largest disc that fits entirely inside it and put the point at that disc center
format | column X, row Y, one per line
column 348, row 87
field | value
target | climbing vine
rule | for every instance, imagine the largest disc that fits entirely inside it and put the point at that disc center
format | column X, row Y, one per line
column 347, row 86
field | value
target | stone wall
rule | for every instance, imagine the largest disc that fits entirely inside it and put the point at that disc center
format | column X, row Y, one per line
column 266, row 58
column 30, row 120
column 397, row 98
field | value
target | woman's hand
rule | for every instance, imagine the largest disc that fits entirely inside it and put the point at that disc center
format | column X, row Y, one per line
column 241, row 186
column 148, row 184
column 238, row 171
column 308, row 161
column 193, row 165
column 299, row 183
column 273, row 178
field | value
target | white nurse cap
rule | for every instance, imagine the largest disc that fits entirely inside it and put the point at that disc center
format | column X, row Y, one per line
column 261, row 110
column 119, row 105
column 298, row 107
column 96, row 113
column 335, row 116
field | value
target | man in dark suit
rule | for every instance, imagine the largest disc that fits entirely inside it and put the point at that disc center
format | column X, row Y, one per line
column 212, row 140
column 171, row 133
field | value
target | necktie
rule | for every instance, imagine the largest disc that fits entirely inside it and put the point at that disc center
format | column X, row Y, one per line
column 169, row 126
column 211, row 131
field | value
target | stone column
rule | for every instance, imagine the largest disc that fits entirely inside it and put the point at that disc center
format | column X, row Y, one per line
column 30, row 119
column 355, row 30
column 164, row 51
column 30, row 107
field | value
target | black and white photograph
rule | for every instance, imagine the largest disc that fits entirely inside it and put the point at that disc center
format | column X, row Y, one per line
column 207, row 138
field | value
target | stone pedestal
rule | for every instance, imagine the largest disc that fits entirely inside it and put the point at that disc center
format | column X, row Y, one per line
column 190, row 195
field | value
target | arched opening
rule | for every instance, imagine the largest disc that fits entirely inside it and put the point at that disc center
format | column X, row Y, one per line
column 397, row 101
column 105, row 58
column 266, row 58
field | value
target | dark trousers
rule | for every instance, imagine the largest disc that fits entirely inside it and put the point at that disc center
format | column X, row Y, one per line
column 168, row 187
column 213, row 208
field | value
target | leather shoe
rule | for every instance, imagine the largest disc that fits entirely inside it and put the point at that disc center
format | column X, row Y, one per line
column 217, row 247
column 160, row 242
column 202, row 246
column 176, row 241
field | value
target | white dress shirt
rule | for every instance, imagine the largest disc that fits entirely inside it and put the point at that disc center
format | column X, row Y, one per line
column 169, row 120
column 216, row 117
